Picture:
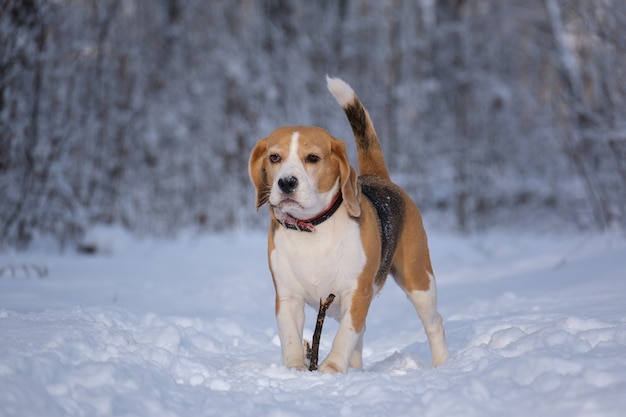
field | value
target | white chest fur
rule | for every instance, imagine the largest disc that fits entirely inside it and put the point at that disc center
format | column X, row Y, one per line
column 310, row 266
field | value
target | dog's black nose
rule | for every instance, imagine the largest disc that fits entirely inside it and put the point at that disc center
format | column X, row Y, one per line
column 288, row 184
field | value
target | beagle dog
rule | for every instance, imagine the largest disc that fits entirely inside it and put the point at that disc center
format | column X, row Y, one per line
column 333, row 231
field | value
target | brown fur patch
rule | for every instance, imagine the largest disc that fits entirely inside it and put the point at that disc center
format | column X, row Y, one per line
column 411, row 263
column 362, row 297
column 258, row 173
column 270, row 248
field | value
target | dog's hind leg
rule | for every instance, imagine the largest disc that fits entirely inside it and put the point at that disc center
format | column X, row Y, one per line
column 425, row 302
column 412, row 271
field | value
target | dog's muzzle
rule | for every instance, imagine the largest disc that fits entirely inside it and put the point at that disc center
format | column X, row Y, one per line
column 288, row 184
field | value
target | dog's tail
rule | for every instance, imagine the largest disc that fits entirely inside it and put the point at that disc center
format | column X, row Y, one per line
column 370, row 154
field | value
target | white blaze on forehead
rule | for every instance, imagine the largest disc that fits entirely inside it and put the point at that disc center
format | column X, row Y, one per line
column 292, row 165
column 293, row 147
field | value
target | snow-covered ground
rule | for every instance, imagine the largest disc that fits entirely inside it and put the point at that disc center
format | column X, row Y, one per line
column 536, row 326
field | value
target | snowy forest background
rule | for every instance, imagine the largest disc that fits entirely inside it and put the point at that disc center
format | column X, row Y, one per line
column 142, row 113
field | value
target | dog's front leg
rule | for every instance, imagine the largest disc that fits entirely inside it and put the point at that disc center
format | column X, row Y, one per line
column 348, row 342
column 356, row 361
column 290, row 319
column 343, row 347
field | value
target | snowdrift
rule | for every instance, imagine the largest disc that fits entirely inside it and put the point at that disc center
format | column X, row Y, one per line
column 536, row 326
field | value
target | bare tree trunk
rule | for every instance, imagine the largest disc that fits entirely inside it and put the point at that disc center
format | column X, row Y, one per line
column 457, row 90
column 30, row 13
column 395, row 64
column 576, row 113
column 338, row 41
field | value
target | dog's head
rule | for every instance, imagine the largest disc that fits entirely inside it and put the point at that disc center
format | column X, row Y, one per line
column 300, row 170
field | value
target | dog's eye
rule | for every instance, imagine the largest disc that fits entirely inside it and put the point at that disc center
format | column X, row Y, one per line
column 274, row 158
column 312, row 159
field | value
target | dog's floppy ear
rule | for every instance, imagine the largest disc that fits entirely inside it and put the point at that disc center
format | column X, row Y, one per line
column 258, row 174
column 348, row 176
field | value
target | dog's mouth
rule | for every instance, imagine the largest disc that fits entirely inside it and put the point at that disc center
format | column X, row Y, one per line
column 288, row 203
column 287, row 209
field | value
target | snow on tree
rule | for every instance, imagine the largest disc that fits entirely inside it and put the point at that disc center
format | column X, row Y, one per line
column 142, row 114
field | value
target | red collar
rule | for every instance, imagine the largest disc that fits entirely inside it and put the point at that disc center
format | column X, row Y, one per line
column 308, row 225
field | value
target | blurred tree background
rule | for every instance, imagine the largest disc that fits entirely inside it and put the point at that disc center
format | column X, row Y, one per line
column 142, row 113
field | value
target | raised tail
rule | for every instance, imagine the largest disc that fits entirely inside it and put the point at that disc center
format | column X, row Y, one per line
column 370, row 154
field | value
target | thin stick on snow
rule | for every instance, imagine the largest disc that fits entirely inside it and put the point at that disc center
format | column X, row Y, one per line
column 317, row 334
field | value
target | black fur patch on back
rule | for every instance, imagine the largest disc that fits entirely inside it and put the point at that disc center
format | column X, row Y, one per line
column 390, row 208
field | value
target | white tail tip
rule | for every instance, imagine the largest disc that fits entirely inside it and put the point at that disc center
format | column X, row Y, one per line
column 344, row 94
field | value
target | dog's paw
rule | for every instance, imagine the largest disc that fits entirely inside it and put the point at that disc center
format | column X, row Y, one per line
column 439, row 358
column 329, row 367
column 297, row 364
